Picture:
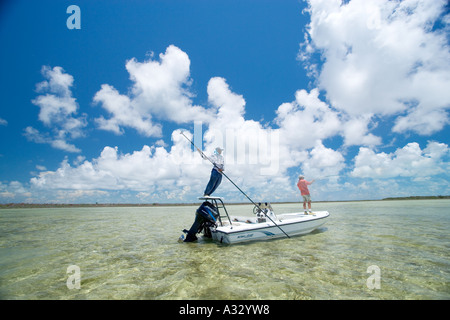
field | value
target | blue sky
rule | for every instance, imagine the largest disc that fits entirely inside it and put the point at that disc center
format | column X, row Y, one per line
column 354, row 95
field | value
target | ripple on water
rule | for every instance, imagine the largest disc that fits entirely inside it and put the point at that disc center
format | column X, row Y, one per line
column 133, row 253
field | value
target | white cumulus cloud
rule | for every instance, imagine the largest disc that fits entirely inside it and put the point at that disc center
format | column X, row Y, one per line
column 58, row 111
column 383, row 57
column 152, row 168
column 409, row 161
column 262, row 159
column 160, row 90
column 309, row 120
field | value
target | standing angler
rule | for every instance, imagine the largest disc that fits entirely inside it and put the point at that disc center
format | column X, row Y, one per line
column 302, row 184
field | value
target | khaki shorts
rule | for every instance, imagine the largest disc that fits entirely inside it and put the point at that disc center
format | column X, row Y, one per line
column 306, row 198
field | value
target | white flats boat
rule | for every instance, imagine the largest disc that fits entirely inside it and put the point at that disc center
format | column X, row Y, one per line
column 213, row 219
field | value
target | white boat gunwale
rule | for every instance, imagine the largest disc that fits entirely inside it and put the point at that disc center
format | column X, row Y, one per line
column 264, row 225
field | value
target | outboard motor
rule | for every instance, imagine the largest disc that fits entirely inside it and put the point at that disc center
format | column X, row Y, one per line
column 205, row 217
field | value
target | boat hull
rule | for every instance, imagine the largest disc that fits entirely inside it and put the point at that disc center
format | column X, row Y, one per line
column 292, row 224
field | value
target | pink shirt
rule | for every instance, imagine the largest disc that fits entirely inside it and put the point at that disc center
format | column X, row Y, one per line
column 303, row 186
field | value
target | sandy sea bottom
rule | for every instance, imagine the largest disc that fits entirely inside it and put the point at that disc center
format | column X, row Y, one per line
column 366, row 250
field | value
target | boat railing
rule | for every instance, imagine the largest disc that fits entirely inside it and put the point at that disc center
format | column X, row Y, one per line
column 218, row 203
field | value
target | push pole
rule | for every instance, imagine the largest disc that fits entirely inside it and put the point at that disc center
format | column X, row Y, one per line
column 204, row 156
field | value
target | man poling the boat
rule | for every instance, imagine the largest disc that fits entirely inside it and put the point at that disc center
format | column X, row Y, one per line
column 223, row 173
column 216, row 172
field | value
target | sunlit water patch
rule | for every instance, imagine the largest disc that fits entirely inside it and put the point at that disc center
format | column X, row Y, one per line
column 133, row 253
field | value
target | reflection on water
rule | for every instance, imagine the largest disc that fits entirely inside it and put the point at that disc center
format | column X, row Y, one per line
column 133, row 253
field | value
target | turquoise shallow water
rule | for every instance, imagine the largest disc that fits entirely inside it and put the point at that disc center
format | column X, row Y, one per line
column 133, row 253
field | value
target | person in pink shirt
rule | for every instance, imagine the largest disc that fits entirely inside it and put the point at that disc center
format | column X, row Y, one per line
column 302, row 184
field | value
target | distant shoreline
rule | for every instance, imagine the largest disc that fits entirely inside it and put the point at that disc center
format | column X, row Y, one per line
column 101, row 205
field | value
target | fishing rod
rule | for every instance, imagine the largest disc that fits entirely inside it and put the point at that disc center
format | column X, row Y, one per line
column 327, row 177
column 205, row 156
